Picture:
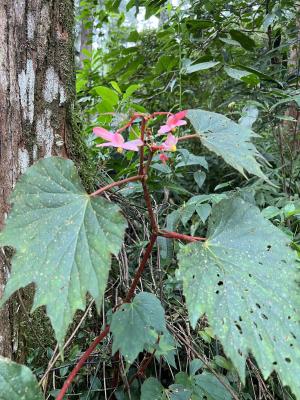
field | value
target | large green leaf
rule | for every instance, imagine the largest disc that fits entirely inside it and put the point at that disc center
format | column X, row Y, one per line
column 17, row 382
column 63, row 239
column 227, row 139
column 136, row 326
column 244, row 278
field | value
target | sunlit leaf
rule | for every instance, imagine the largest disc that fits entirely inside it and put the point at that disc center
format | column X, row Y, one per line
column 201, row 66
column 236, row 73
column 249, row 116
column 107, row 94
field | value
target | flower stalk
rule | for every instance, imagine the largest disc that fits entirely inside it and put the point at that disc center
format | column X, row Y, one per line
column 116, row 140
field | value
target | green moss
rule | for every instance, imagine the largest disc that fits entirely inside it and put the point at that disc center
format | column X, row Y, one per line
column 80, row 153
column 76, row 147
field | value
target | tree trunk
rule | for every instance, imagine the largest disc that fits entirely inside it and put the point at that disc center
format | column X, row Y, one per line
column 86, row 37
column 36, row 101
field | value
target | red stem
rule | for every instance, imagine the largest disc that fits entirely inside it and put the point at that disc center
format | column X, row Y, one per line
column 149, row 207
column 129, row 123
column 187, row 137
column 142, row 368
column 159, row 113
column 141, row 268
column 155, row 232
column 180, row 236
column 143, row 126
column 103, row 334
column 118, row 183
column 81, row 363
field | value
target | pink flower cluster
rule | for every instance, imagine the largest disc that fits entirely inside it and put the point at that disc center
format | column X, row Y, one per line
column 117, row 140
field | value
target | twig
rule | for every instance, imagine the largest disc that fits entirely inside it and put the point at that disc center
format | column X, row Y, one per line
column 188, row 137
column 143, row 366
column 141, row 268
column 56, row 357
column 118, row 183
column 198, row 355
column 180, row 236
column 81, row 363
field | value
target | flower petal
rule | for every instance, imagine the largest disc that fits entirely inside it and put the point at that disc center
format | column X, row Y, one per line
column 132, row 145
column 180, row 115
column 118, row 140
column 164, row 129
column 181, row 122
column 107, row 144
column 173, row 119
column 103, row 133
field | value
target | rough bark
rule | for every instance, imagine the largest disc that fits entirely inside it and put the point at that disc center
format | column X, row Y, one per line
column 36, row 100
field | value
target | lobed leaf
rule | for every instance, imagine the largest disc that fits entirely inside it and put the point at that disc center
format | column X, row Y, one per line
column 227, row 139
column 136, row 325
column 245, row 279
column 63, row 239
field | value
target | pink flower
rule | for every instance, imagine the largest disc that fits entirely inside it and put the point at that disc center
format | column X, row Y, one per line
column 172, row 122
column 170, row 143
column 163, row 158
column 116, row 140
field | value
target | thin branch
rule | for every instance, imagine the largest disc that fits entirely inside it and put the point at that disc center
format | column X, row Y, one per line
column 159, row 113
column 56, row 357
column 180, row 236
column 188, row 137
column 106, row 330
column 147, row 166
column 149, row 206
column 143, row 127
column 143, row 366
column 208, row 366
column 81, row 363
column 130, row 122
column 141, row 268
column 118, row 183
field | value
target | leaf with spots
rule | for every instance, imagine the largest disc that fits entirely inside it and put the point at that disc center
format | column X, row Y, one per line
column 245, row 279
column 136, row 326
column 202, row 386
column 17, row 382
column 63, row 239
column 227, row 139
